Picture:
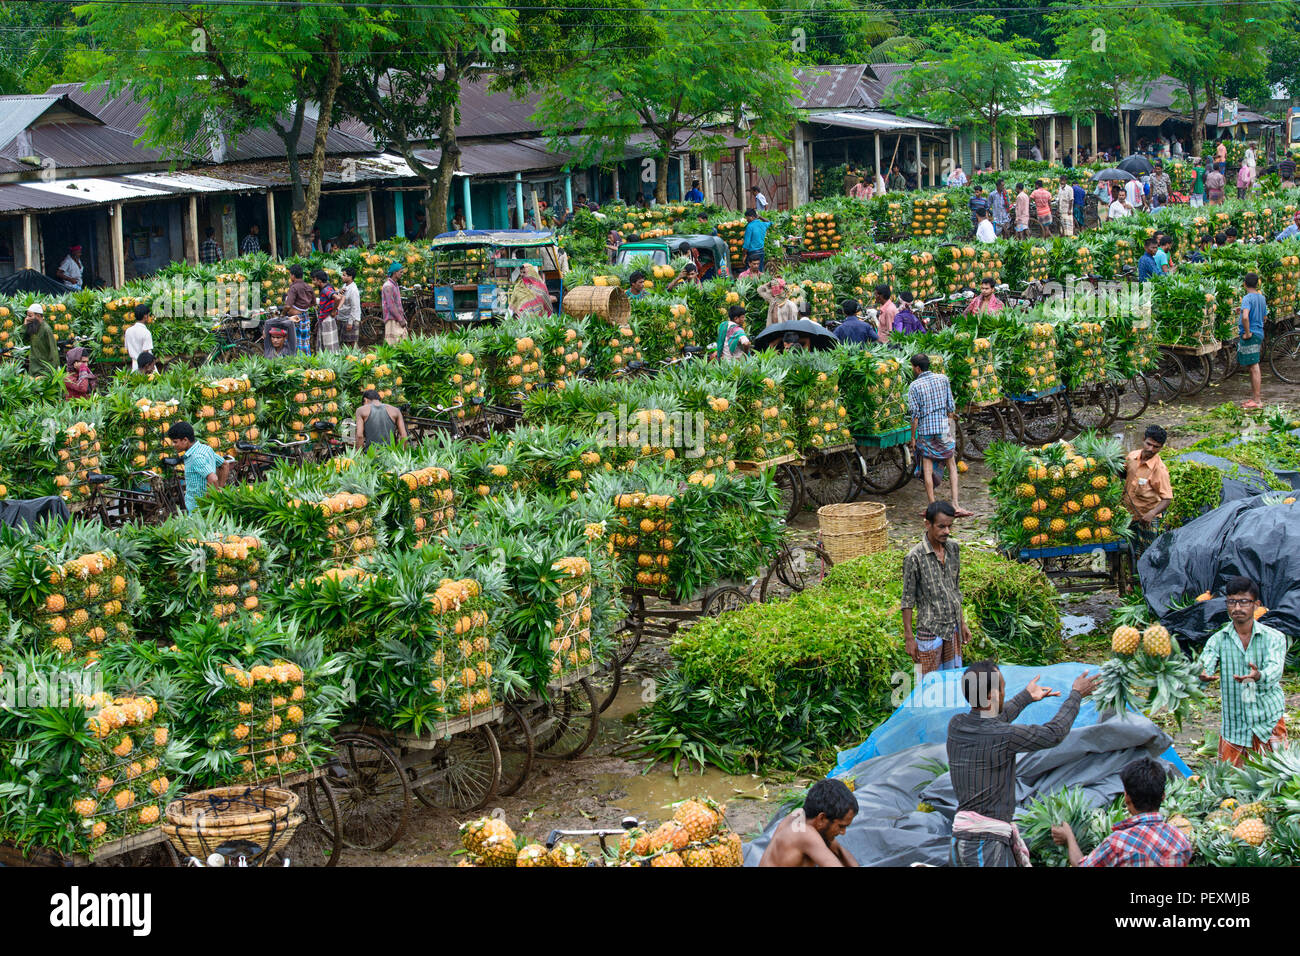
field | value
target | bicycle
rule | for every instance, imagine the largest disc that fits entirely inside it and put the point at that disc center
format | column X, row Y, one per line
column 239, row 335
column 600, row 833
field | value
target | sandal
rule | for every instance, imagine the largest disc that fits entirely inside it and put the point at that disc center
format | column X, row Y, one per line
column 1251, row 405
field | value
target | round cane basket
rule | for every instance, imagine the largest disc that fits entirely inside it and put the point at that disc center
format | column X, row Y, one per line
column 850, row 530
column 608, row 301
column 200, row 822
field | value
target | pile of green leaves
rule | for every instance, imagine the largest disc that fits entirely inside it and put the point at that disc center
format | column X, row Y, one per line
column 1072, row 805
column 1197, row 489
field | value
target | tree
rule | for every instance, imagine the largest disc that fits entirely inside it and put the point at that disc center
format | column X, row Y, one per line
column 41, row 48
column 407, row 87
column 1017, row 18
column 841, row 31
column 214, row 69
column 968, row 78
column 694, row 71
column 1112, row 53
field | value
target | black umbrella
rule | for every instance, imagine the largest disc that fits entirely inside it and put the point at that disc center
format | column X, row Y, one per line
column 29, row 280
column 817, row 334
column 1106, row 175
column 1137, row 165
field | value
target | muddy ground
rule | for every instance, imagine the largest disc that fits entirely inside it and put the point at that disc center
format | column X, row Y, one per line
column 608, row 782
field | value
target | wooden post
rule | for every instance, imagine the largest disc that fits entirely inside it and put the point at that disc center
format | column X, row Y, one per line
column 119, row 251
column 878, row 172
column 469, row 210
column 270, row 225
column 929, row 155
column 192, row 243
column 27, row 241
column 1094, row 135
column 918, row 160
column 1074, row 138
column 370, row 213
column 952, row 152
column 1051, row 139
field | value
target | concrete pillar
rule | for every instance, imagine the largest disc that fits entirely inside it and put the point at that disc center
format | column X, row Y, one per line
column 952, row 151
column 681, row 176
column 192, row 231
column 270, row 225
column 469, row 208
column 930, row 157
column 119, row 245
column 742, row 184
column 706, row 180
column 399, row 213
column 519, row 198
column 568, row 192
column 1074, row 137
column 918, row 160
column 879, row 172
column 27, row 241
column 1051, row 139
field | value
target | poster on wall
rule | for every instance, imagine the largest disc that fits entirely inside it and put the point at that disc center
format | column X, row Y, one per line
column 1228, row 110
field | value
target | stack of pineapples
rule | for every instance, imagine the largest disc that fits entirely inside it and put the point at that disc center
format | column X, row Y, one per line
column 562, row 345
column 489, row 842
column 233, row 579
column 570, row 646
column 1038, row 263
column 821, row 299
column 7, row 326
column 461, row 666
column 230, row 288
column 871, row 385
column 961, row 267
column 733, row 233
column 314, row 399
column 1059, row 495
column 228, row 413
column 514, row 362
column 764, row 430
column 973, row 375
column 917, row 274
column 697, row 835
column 812, row 387
column 370, row 371
column 930, row 215
column 428, row 508
column 351, row 530
column 88, row 602
column 124, row 767
column 1033, row 357
column 60, row 319
column 149, row 433
column 374, row 270
column 1084, row 352
column 1122, row 254
column 644, row 541
column 821, row 232
column 275, row 284
column 612, row 347
column 865, row 285
column 77, row 448
column 118, row 314
column 259, row 715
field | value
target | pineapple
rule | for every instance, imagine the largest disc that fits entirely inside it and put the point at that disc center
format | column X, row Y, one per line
column 697, row 856
column 1249, row 811
column 668, row 859
column 475, row 834
column 568, row 854
column 1155, row 641
column 1125, row 640
column 1180, row 822
column 671, row 834
column 1251, row 830
column 697, row 819
column 532, row 854
column 500, row 849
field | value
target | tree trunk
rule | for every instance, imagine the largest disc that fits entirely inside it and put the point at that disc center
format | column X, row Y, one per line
column 661, row 170
column 435, row 203
column 1123, row 127
column 304, row 215
column 993, row 146
column 1198, row 120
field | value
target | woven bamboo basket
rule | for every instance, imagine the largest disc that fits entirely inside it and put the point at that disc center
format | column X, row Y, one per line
column 198, row 823
column 853, row 529
column 608, row 301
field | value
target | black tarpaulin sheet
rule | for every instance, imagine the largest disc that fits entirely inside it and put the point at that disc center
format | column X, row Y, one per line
column 890, row 831
column 1248, row 537
column 29, row 280
column 32, row 511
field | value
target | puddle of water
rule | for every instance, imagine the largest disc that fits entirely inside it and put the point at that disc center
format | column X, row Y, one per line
column 749, row 799
column 633, row 694
column 1072, row 625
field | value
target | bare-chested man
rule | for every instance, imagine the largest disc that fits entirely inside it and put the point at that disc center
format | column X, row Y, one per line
column 809, row 837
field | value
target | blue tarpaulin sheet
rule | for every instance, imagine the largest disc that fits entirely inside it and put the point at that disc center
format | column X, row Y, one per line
column 923, row 717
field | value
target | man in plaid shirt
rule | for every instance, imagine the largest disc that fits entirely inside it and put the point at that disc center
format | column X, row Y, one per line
column 251, row 242
column 209, row 251
column 929, row 400
column 1144, row 838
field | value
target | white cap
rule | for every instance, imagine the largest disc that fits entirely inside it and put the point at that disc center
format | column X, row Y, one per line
column 37, row 308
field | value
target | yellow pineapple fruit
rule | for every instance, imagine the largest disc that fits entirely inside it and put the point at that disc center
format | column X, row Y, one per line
column 698, row 820
column 1249, row 811
column 1125, row 640
column 1155, row 641
column 533, row 854
column 568, row 854
column 1252, row 831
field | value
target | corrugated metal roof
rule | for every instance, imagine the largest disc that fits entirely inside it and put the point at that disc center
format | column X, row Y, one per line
column 108, row 189
column 832, row 87
column 19, row 112
column 16, row 198
column 483, row 113
column 874, row 121
column 78, row 145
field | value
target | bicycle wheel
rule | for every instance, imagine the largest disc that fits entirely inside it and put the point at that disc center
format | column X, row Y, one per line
column 570, row 722
column 830, row 479
column 1015, row 421
column 790, row 487
column 607, row 680
column 1045, row 419
column 373, row 797
column 318, row 841
column 515, row 739
column 463, row 774
column 982, row 428
column 1167, row 377
column 1284, row 356
column 883, row 470
column 1196, row 374
column 797, row 567
column 1133, row 396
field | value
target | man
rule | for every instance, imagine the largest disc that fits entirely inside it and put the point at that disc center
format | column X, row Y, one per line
column 1291, row 231
column 759, row 200
column 790, row 342
column 930, row 405
column 1286, row 171
column 137, row 337
column 905, row 319
column 984, row 231
column 1164, row 253
column 43, row 350
column 810, row 835
column 1220, row 239
column 755, row 237
column 851, row 178
column 1080, row 201
column 1065, row 207
column 328, row 298
column 860, row 189
column 1233, row 236
column 912, row 171
column 896, row 181
column 377, row 423
column 1215, row 182
column 694, row 194
column 1036, row 152
column 349, row 313
column 932, row 591
column 1159, row 187
column 1254, row 310
column 690, row 274
column 781, row 306
column 957, row 178
column 277, row 338
column 986, row 302
column 1198, row 186
column 69, row 271
column 1148, row 492
column 1147, row 262
column 982, row 749
column 1068, row 162
column 1000, row 204
column 1141, row 839
column 852, row 330
column 298, row 302
column 1135, row 193
column 203, row 468
column 753, row 268
column 148, row 365
column 979, row 205
column 349, row 238
column 252, row 242
column 636, row 285
column 732, row 340
column 1119, row 206
column 209, row 250
column 390, row 305
column 1022, row 211
column 1042, row 204
column 1252, row 654
column 885, row 310
column 458, row 223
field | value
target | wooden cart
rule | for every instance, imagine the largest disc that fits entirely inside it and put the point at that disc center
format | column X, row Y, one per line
column 148, row 848
column 885, row 460
column 831, row 475
column 1069, row 567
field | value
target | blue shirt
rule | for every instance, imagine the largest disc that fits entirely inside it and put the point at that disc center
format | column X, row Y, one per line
column 1147, row 267
column 1080, row 195
column 695, row 196
column 1255, row 308
column 1288, row 232
column 929, row 399
column 755, row 234
column 1162, row 260
column 200, row 461
column 855, row 330
column 977, row 205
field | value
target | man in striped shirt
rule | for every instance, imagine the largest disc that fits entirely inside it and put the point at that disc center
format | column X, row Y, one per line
column 1143, row 838
column 982, row 749
column 1252, row 654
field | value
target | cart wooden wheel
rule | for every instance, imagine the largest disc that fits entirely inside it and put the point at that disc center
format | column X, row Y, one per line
column 318, row 841
column 1167, row 377
column 633, row 629
column 156, row 854
column 518, row 750
column 883, row 470
column 1014, row 421
column 724, row 599
column 463, row 772
column 831, row 479
column 1196, row 373
column 799, row 566
column 570, row 722
column 982, row 428
column 1045, row 419
column 1283, row 356
column 607, row 680
column 373, row 797
column 790, row 487
column 1223, row 363
column 1134, row 395
column 1092, row 407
